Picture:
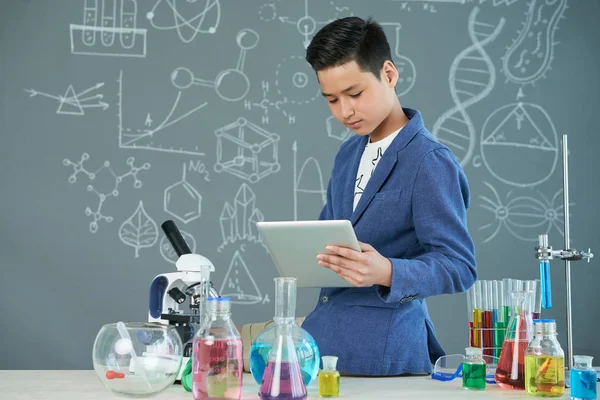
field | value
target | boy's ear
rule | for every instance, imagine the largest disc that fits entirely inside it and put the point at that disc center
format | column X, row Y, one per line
column 389, row 74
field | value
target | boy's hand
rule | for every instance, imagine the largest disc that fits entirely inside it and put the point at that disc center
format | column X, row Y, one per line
column 364, row 268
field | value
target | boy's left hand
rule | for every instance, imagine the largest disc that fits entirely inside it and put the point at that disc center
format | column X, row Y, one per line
column 364, row 268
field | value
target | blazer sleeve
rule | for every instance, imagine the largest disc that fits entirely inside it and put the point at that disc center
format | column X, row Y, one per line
column 327, row 211
column 440, row 198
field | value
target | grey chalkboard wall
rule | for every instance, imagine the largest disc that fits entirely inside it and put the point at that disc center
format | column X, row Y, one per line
column 206, row 113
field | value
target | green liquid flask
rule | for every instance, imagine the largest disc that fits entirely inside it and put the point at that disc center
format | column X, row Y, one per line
column 473, row 369
column 329, row 378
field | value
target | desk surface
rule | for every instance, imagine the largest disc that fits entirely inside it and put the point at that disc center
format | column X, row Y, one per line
column 77, row 385
column 71, row 385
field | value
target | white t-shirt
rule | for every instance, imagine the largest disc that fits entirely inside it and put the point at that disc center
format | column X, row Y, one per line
column 369, row 160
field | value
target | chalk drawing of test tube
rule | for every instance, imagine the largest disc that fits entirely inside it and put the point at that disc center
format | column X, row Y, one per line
column 115, row 23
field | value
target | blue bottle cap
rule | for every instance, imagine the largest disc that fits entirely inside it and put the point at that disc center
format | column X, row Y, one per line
column 219, row 299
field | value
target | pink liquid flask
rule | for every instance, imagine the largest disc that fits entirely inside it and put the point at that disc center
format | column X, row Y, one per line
column 282, row 378
column 282, row 381
column 217, row 366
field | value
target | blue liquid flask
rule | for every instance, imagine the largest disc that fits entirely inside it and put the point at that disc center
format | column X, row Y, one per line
column 307, row 351
column 583, row 379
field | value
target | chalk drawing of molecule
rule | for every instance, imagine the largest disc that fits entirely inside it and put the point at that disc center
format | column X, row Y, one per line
column 104, row 182
column 183, row 201
column 267, row 104
column 231, row 84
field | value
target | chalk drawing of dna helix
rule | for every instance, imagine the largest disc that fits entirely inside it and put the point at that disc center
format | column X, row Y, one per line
column 531, row 53
column 472, row 77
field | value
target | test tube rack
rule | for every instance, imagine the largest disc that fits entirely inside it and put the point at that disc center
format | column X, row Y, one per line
column 490, row 306
column 544, row 252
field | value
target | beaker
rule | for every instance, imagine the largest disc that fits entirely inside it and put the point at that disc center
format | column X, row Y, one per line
column 583, row 379
column 510, row 373
column 282, row 378
column 306, row 347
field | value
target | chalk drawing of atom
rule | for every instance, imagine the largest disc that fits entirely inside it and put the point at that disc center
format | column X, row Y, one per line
column 189, row 17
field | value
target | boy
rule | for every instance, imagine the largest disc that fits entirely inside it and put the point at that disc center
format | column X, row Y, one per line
column 406, row 196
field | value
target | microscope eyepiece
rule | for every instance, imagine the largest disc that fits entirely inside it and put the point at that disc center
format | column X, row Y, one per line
column 175, row 238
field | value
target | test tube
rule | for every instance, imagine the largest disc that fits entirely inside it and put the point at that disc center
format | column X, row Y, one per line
column 485, row 315
column 507, row 300
column 488, row 319
column 500, row 326
column 497, row 300
column 529, row 286
column 518, row 285
column 470, row 293
column 495, row 315
column 477, row 315
column 537, row 299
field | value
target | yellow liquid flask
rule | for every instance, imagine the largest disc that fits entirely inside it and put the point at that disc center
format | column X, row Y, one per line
column 544, row 362
column 329, row 378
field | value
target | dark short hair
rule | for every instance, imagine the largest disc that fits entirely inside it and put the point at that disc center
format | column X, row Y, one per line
column 350, row 39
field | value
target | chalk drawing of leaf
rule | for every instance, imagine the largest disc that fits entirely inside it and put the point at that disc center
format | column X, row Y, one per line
column 139, row 230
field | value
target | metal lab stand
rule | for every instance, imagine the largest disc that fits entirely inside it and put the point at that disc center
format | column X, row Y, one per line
column 544, row 252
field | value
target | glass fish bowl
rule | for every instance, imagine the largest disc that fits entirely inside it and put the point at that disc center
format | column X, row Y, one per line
column 137, row 359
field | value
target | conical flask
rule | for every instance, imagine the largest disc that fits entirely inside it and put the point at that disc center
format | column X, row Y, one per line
column 307, row 351
column 282, row 378
column 510, row 373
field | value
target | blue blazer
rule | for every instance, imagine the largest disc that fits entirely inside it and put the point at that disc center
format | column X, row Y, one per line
column 413, row 211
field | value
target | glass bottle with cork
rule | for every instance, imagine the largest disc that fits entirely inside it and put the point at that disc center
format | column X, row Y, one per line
column 544, row 362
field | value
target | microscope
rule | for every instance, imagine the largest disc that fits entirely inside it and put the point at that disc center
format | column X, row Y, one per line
column 544, row 253
column 179, row 298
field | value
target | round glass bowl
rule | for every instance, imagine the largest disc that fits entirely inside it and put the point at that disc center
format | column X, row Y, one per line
column 137, row 359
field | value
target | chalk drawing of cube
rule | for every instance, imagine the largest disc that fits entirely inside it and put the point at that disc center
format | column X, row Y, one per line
column 247, row 151
column 336, row 130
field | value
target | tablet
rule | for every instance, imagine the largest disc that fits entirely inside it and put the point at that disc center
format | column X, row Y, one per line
column 294, row 245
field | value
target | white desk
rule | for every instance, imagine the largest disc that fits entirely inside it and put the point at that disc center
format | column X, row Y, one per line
column 80, row 385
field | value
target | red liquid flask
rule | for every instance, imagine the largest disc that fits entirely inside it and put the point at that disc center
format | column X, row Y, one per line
column 510, row 373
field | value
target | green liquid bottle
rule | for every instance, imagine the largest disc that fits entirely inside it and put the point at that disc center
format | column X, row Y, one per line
column 473, row 369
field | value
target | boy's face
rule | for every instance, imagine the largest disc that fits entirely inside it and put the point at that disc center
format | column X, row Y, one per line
column 356, row 98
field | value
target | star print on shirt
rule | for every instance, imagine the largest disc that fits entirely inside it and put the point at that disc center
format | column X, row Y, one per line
column 376, row 159
column 359, row 189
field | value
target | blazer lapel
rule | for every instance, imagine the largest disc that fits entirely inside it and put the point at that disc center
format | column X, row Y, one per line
column 383, row 169
column 350, row 184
